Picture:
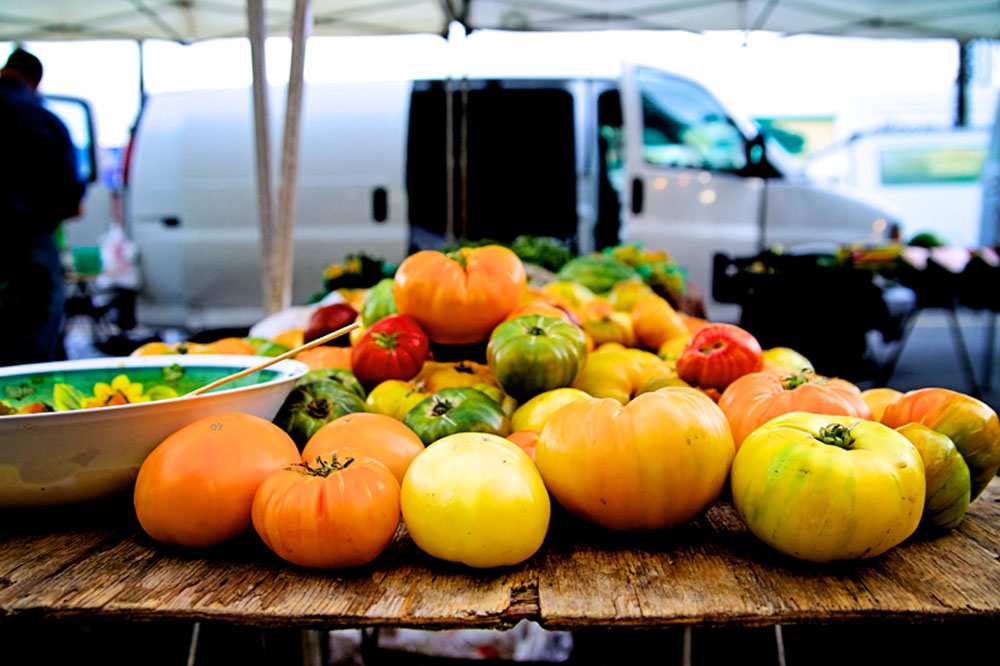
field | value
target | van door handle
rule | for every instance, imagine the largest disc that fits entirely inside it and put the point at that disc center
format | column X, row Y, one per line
column 380, row 204
column 637, row 196
column 171, row 221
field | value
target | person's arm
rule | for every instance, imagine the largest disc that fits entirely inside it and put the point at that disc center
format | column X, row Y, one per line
column 67, row 190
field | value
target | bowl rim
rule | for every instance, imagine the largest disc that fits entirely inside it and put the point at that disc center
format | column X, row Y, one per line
column 289, row 370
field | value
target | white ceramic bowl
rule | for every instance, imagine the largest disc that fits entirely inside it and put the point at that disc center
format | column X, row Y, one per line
column 73, row 456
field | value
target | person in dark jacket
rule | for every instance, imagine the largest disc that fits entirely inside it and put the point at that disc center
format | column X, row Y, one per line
column 39, row 188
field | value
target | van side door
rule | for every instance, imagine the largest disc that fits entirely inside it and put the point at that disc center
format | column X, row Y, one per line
column 684, row 190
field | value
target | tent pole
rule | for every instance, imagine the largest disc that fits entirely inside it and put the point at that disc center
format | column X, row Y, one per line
column 301, row 27
column 257, row 29
column 449, row 161
column 962, row 84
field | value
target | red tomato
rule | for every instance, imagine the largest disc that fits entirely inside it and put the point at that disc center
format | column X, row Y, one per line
column 393, row 348
column 718, row 355
column 328, row 319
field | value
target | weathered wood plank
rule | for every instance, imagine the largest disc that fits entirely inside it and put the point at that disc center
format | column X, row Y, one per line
column 712, row 571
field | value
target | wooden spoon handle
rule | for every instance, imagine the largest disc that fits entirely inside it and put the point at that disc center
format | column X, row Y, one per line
column 277, row 359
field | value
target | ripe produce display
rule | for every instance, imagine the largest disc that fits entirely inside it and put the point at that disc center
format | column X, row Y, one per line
column 476, row 499
column 468, row 397
column 331, row 513
column 369, row 435
column 718, row 355
column 197, row 487
column 946, row 474
column 824, row 488
column 456, row 410
column 459, row 298
column 532, row 354
column 658, row 461
column 393, row 348
column 754, row 399
column 971, row 424
column 312, row 405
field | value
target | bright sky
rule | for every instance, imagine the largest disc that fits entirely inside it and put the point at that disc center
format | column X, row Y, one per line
column 865, row 83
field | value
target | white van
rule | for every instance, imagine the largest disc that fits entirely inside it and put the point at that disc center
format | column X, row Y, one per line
column 649, row 157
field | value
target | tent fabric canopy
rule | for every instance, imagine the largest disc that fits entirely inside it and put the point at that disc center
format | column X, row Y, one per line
column 193, row 20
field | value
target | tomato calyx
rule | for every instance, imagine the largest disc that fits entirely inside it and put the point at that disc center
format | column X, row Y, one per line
column 324, row 468
column 536, row 330
column 441, row 407
column 462, row 367
column 837, row 434
column 318, row 408
column 385, row 340
column 708, row 350
column 460, row 257
column 796, row 380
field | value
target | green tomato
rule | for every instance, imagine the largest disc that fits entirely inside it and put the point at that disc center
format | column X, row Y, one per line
column 379, row 303
column 455, row 410
column 345, row 378
column 948, row 481
column 598, row 273
column 535, row 353
column 311, row 406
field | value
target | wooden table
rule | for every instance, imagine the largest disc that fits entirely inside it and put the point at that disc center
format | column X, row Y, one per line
column 712, row 572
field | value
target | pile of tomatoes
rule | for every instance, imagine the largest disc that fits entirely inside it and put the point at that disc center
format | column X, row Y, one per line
column 628, row 414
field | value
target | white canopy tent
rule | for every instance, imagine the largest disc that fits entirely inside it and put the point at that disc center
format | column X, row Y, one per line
column 187, row 21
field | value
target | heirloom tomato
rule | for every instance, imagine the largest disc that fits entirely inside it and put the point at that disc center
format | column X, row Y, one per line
column 542, row 308
column 456, row 410
column 823, row 488
column 946, row 474
column 394, row 398
column 526, row 439
column 656, row 322
column 611, row 327
column 378, row 303
column 878, row 399
column 461, row 374
column 658, row 461
column 535, row 353
column 619, row 373
column 718, row 355
column 477, row 499
column 568, row 294
column 393, row 348
column 311, row 406
column 327, row 319
column 370, row 435
column 783, row 359
column 196, row 488
column 971, row 424
column 326, row 357
column 460, row 297
column 329, row 513
column 343, row 378
column 535, row 413
column 624, row 295
column 754, row 399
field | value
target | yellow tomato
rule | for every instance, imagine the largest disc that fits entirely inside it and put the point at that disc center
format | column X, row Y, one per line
column 611, row 327
column 786, row 360
column 395, row 398
column 947, row 476
column 672, row 349
column 477, row 499
column 534, row 414
column 435, row 376
column 568, row 294
column 824, row 488
column 615, row 372
column 626, row 294
column 878, row 399
column 292, row 338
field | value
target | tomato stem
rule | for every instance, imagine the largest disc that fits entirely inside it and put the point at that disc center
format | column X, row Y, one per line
column 794, row 381
column 385, row 340
column 318, row 408
column 441, row 407
column 837, row 434
column 323, row 468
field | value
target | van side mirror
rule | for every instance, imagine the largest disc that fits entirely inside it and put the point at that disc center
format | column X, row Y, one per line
column 755, row 149
column 77, row 116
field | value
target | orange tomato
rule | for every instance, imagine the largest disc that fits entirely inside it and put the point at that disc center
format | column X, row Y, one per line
column 196, row 488
column 526, row 439
column 971, row 424
column 540, row 308
column 459, row 298
column 692, row 324
column 657, row 462
column 754, row 399
column 235, row 346
column 335, row 513
column 655, row 322
column 326, row 357
column 155, row 349
column 372, row 435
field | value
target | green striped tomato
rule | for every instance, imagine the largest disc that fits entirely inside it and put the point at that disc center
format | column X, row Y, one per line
column 535, row 353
